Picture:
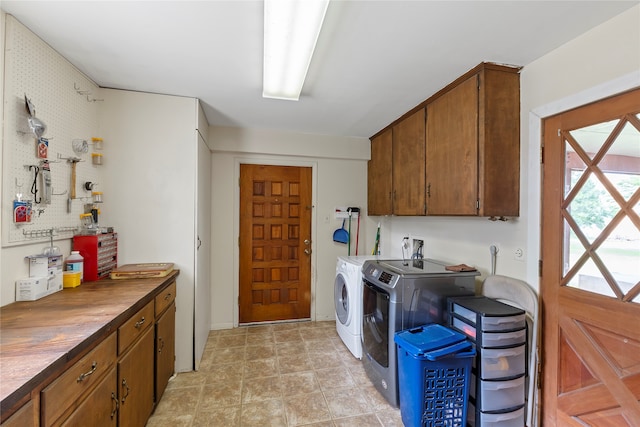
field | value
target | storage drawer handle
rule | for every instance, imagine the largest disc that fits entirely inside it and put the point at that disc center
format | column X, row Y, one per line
column 94, row 366
column 139, row 323
column 115, row 405
column 125, row 385
column 167, row 296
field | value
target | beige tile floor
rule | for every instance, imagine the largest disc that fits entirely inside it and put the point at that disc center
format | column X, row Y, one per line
column 285, row 374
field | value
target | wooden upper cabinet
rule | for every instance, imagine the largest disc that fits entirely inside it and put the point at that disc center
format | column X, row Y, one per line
column 465, row 160
column 379, row 185
column 473, row 145
column 409, row 165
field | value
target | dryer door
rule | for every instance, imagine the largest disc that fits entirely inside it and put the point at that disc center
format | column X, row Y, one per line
column 341, row 299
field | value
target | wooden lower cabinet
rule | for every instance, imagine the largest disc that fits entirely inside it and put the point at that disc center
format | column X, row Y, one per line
column 135, row 383
column 60, row 398
column 26, row 416
column 117, row 368
column 165, row 349
column 100, row 408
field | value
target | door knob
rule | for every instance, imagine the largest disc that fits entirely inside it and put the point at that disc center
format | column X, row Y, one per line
column 307, row 241
column 307, row 251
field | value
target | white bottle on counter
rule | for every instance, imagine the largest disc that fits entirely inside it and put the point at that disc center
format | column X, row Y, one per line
column 75, row 262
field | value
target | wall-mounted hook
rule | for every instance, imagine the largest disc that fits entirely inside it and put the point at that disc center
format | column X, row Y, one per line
column 79, row 91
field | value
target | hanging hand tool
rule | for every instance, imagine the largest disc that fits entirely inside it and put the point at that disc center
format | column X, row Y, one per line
column 46, row 182
column 34, row 186
column 349, row 242
column 73, row 161
column 356, row 211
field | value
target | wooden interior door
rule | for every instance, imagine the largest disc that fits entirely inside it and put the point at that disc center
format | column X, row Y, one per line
column 591, row 264
column 275, row 243
column 452, row 151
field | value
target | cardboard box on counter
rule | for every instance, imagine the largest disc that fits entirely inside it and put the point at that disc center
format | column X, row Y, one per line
column 45, row 265
column 34, row 288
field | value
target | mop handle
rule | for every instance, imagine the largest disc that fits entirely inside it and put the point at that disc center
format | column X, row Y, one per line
column 358, row 234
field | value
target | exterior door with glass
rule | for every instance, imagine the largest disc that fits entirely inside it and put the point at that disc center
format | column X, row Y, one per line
column 591, row 264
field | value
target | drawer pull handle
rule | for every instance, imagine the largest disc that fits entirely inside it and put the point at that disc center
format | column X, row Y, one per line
column 94, row 366
column 114, row 406
column 167, row 297
column 160, row 344
column 125, row 385
column 139, row 323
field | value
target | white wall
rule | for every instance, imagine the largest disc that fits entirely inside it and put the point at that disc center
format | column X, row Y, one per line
column 150, row 162
column 339, row 179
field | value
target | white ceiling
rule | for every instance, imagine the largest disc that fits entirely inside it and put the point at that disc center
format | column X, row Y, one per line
column 374, row 61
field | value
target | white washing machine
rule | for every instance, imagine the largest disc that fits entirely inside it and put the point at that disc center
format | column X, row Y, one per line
column 348, row 301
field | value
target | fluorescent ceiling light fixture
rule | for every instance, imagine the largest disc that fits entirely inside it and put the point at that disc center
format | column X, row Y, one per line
column 291, row 29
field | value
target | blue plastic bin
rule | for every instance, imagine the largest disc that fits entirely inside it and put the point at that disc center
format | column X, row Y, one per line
column 434, row 370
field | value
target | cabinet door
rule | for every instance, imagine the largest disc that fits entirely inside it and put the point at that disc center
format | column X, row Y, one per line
column 409, row 165
column 452, row 151
column 499, row 143
column 135, row 383
column 25, row 417
column 379, row 175
column 165, row 349
column 100, row 408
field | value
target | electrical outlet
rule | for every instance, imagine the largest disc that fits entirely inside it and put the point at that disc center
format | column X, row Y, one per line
column 519, row 254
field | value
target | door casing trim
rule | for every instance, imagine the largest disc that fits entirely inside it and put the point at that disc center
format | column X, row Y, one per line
column 272, row 161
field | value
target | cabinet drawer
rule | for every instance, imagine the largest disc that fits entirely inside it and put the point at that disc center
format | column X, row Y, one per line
column 497, row 396
column 165, row 298
column 490, row 339
column 502, row 363
column 134, row 327
column 78, row 379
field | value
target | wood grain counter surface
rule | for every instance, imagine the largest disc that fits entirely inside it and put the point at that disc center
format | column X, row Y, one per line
column 38, row 339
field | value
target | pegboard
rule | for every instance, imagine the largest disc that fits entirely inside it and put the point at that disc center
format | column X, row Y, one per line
column 68, row 103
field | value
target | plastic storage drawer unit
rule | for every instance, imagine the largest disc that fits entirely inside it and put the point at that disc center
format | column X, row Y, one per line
column 497, row 395
column 434, row 370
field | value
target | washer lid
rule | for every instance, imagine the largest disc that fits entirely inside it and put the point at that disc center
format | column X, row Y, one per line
column 421, row 267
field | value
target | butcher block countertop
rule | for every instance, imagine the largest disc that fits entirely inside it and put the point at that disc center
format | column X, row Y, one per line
column 39, row 339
